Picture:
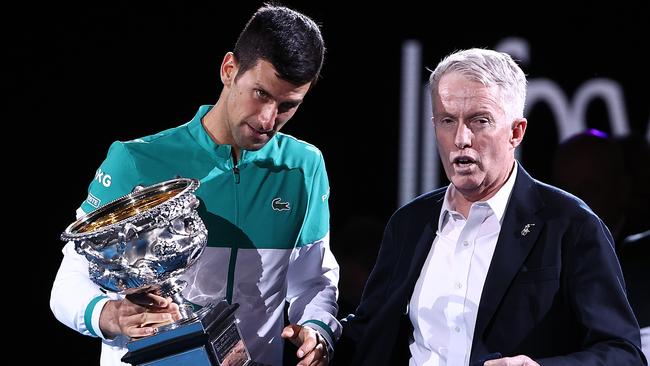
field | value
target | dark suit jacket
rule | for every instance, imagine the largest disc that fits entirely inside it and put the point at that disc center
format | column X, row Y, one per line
column 555, row 294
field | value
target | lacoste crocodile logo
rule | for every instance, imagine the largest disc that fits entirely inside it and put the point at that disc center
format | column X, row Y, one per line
column 279, row 206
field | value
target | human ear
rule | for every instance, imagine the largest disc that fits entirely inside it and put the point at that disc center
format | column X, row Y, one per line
column 518, row 131
column 228, row 70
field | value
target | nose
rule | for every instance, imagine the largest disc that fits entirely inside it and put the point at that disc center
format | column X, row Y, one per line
column 463, row 136
column 267, row 116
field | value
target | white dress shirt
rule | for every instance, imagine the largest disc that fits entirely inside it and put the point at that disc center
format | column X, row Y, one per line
column 445, row 300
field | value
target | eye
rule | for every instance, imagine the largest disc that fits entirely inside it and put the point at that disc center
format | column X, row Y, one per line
column 286, row 107
column 481, row 122
column 444, row 121
column 261, row 94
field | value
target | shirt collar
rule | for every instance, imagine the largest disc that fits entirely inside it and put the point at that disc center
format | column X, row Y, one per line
column 497, row 203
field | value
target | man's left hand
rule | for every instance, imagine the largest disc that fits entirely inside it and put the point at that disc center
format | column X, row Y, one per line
column 520, row 360
column 312, row 348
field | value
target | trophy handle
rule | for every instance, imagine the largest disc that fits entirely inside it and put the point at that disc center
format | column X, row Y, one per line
column 173, row 288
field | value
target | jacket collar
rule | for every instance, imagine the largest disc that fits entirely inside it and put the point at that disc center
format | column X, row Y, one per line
column 222, row 153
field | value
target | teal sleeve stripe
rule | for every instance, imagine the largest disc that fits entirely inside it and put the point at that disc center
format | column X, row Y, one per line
column 324, row 326
column 88, row 315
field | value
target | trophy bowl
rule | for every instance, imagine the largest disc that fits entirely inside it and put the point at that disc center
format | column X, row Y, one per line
column 144, row 240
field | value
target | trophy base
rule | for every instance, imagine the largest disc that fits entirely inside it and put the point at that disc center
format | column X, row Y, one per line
column 211, row 338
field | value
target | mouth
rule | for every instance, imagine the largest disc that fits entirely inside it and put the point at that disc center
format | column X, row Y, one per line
column 258, row 132
column 463, row 161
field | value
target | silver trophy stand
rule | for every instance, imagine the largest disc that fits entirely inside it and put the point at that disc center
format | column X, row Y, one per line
column 213, row 339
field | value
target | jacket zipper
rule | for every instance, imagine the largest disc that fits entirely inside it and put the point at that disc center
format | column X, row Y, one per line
column 230, row 284
column 235, row 170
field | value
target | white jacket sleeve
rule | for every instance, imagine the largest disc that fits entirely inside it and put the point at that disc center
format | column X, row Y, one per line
column 75, row 300
column 312, row 289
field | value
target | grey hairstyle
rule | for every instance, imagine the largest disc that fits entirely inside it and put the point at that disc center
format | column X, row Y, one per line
column 489, row 68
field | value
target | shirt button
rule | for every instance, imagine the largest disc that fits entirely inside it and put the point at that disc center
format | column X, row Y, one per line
column 457, row 329
column 459, row 285
column 465, row 243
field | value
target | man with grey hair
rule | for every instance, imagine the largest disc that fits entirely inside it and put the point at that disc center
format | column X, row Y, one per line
column 497, row 268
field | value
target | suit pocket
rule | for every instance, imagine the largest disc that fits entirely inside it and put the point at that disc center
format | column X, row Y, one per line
column 537, row 275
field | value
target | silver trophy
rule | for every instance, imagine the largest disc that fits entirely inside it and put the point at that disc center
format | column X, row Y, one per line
column 143, row 242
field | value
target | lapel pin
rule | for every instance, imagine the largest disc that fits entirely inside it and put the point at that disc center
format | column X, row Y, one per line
column 526, row 229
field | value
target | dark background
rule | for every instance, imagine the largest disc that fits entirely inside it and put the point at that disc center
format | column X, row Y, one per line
column 90, row 74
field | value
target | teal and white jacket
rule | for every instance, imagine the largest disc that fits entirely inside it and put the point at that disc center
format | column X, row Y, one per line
column 268, row 235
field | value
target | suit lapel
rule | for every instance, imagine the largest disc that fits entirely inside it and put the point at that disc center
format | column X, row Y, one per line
column 423, row 246
column 519, row 232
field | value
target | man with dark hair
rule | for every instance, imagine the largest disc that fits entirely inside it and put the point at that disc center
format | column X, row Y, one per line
column 264, row 201
column 299, row 40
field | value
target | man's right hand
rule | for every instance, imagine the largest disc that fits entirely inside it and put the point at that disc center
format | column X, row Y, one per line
column 137, row 316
